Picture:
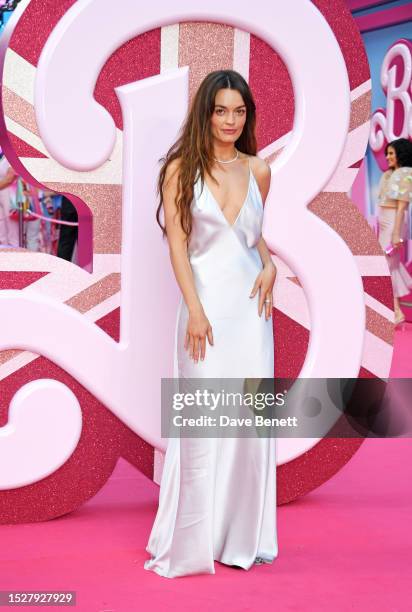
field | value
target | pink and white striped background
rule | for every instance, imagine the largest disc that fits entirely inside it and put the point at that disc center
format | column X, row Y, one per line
column 203, row 47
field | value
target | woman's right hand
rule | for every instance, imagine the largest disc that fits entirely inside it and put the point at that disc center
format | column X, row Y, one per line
column 198, row 329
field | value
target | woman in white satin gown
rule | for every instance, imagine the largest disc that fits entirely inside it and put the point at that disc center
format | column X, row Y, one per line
column 218, row 495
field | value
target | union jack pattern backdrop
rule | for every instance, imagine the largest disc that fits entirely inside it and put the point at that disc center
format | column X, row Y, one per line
column 203, row 47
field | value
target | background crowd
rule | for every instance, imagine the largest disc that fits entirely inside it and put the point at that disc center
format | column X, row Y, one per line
column 38, row 220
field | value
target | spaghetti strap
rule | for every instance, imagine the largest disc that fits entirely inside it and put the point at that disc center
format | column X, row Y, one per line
column 251, row 175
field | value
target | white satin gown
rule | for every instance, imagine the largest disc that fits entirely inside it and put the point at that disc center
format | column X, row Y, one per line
column 217, row 496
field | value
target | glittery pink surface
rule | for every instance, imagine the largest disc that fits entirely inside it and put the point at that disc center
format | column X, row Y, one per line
column 313, row 468
column 360, row 110
column 35, row 26
column 291, row 345
column 19, row 110
column 83, row 474
column 273, row 93
column 379, row 326
column 4, row 357
column 95, row 294
column 347, row 34
column 138, row 59
column 204, row 47
column 18, row 280
column 22, row 149
column 380, row 288
column 341, row 214
column 110, row 323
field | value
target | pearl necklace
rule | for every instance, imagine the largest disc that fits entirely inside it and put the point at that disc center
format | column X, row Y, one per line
column 227, row 161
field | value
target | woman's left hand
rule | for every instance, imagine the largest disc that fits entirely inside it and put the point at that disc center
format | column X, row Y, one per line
column 264, row 283
column 396, row 239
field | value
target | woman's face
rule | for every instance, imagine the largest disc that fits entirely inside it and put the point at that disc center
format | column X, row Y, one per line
column 229, row 116
column 391, row 157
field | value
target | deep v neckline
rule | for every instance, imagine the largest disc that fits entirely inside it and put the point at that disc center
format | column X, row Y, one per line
column 243, row 204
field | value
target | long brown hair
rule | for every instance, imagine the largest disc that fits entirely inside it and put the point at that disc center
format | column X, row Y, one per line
column 194, row 146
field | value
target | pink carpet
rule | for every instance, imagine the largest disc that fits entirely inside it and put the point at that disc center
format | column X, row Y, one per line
column 346, row 546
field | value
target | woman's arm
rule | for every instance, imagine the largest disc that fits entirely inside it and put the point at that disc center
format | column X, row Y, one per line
column 198, row 325
column 8, row 179
column 266, row 279
column 264, row 253
column 396, row 233
column 177, row 240
column 263, row 176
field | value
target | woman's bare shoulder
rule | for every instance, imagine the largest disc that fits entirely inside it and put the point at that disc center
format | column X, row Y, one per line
column 260, row 167
column 173, row 168
column 262, row 174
